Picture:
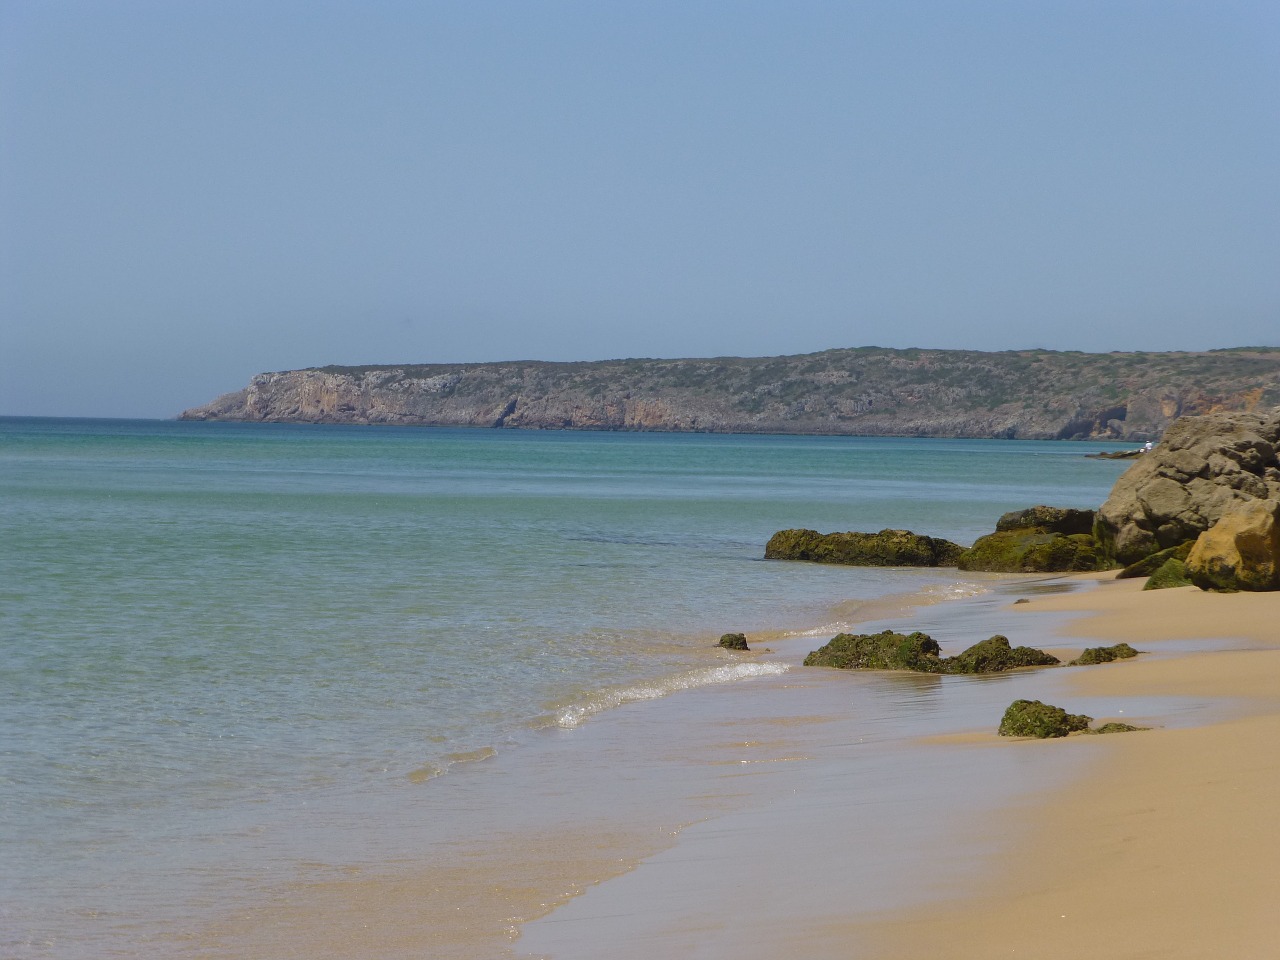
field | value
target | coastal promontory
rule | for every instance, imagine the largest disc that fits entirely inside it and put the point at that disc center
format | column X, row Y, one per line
column 866, row 391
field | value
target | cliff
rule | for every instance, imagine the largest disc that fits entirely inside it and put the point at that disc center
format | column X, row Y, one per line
column 868, row 391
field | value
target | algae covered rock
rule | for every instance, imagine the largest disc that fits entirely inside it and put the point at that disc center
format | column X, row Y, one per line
column 1149, row 565
column 920, row 653
column 1239, row 552
column 1031, row 718
column 1171, row 573
column 734, row 641
column 1092, row 655
column 996, row 656
column 1064, row 520
column 1115, row 727
column 1031, row 551
column 888, row 548
column 879, row 651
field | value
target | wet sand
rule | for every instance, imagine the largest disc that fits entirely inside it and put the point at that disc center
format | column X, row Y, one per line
column 1168, row 845
column 828, row 814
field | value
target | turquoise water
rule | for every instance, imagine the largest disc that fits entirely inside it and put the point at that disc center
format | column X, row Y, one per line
column 208, row 627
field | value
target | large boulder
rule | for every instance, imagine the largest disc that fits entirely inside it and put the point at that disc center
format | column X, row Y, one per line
column 888, row 548
column 1038, row 539
column 1241, row 551
column 1031, row 551
column 1202, row 468
column 1064, row 520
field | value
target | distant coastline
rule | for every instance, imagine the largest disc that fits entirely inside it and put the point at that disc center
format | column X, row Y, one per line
column 866, row 391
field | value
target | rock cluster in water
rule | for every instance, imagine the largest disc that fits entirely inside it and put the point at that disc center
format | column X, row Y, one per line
column 1202, row 507
column 920, row 653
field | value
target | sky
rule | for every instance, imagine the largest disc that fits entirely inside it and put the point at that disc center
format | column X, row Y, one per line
column 195, row 192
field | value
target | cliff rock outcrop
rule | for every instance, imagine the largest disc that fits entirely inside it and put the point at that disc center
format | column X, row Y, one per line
column 1239, row 552
column 869, row 391
column 1203, row 468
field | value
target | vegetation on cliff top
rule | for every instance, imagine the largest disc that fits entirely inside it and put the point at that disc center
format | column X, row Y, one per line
column 1035, row 394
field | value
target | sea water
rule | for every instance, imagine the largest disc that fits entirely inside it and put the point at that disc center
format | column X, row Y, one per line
column 225, row 647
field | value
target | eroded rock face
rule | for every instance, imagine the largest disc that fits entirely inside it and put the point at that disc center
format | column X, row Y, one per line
column 1239, row 552
column 888, row 548
column 1203, row 468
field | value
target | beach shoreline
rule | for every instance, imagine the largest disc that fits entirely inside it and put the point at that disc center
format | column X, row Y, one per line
column 1157, row 843
column 1166, row 845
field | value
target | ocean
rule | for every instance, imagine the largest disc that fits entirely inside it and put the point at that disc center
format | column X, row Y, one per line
column 244, row 663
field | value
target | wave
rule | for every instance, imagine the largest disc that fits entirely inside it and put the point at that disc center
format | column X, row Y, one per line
column 574, row 714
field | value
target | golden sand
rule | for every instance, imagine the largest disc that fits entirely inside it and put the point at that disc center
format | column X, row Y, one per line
column 1170, row 847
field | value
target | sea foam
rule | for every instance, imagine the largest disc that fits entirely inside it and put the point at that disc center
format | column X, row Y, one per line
column 576, row 713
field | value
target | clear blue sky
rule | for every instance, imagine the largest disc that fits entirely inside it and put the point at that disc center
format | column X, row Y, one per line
column 192, row 192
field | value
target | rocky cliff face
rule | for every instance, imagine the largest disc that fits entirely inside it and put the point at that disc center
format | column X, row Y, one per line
column 1204, row 468
column 1033, row 394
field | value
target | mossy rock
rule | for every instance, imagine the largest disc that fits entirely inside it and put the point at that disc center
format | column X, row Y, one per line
column 888, row 548
column 1171, row 573
column 1031, row 718
column 734, row 641
column 879, row 651
column 1115, row 727
column 1047, row 520
column 1150, row 564
column 920, row 653
column 995, row 656
column 1030, row 551
column 1092, row 655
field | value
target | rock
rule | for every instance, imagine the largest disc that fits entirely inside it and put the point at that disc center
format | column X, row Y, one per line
column 879, row 651
column 888, row 548
column 1031, row 718
column 1171, row 573
column 1030, row 551
column 1047, row 520
column 1203, row 468
column 1092, row 655
column 1239, row 552
column 1149, row 565
column 734, row 641
column 1116, row 455
column 920, row 653
column 995, row 656
column 1115, row 727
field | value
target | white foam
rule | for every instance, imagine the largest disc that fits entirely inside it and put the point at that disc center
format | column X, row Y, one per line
column 577, row 713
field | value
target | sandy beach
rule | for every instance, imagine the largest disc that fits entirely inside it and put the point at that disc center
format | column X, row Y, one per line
column 840, row 816
column 1168, row 846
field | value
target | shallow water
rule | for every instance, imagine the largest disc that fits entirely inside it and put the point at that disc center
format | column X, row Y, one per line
column 239, row 655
